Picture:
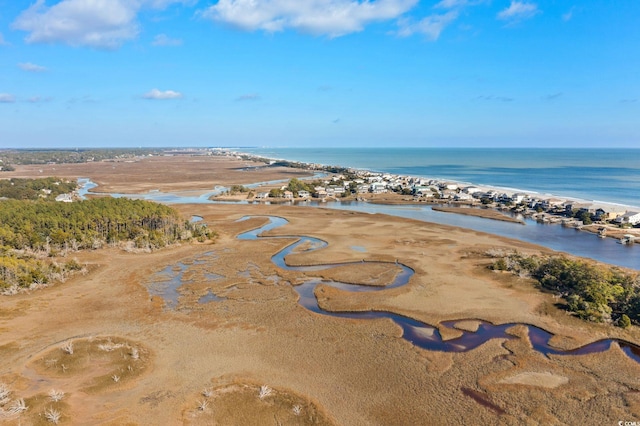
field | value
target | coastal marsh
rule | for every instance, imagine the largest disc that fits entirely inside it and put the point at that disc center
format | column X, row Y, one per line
column 352, row 372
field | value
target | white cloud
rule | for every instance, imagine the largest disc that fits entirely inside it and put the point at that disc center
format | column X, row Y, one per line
column 6, row 98
column 321, row 17
column 431, row 26
column 164, row 40
column 248, row 97
column 102, row 24
column 28, row 66
column 452, row 4
column 518, row 11
column 39, row 99
column 158, row 94
column 567, row 16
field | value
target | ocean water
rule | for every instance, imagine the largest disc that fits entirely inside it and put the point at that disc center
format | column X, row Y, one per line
column 599, row 175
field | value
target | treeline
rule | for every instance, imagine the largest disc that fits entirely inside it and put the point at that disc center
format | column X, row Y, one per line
column 44, row 225
column 33, row 189
column 43, row 156
column 37, row 229
column 593, row 292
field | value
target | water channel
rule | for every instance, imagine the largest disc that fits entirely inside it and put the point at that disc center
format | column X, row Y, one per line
column 553, row 236
column 417, row 332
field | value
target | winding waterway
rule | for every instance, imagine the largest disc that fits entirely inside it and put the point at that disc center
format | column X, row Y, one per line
column 553, row 236
column 416, row 332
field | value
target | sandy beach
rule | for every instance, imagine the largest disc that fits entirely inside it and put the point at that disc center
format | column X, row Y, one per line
column 255, row 356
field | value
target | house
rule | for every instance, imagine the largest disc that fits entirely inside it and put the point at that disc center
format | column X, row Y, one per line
column 571, row 206
column 336, row 190
column 608, row 212
column 551, row 203
column 518, row 197
column 471, row 190
column 262, row 195
column 288, row 195
column 363, row 189
column 462, row 197
column 303, row 194
column 65, row 198
column 631, row 218
column 378, row 187
column 448, row 194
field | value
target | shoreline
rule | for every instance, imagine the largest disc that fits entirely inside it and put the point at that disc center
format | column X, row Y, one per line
column 504, row 189
column 484, row 213
column 232, row 296
column 612, row 231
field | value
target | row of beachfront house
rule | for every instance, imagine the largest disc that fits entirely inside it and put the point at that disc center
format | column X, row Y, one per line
column 451, row 191
column 425, row 189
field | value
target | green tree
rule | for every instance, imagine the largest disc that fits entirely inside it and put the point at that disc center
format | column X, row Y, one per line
column 624, row 321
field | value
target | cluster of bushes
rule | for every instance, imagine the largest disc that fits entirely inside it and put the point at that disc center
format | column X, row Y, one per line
column 20, row 271
column 593, row 292
column 238, row 189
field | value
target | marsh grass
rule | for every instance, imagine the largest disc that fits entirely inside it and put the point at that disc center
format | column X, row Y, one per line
column 102, row 362
column 32, row 410
column 68, row 347
column 56, row 395
column 8, row 408
column 265, row 391
column 52, row 415
column 5, row 392
column 286, row 407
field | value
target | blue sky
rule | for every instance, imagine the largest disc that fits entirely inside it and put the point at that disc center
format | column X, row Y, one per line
column 499, row 73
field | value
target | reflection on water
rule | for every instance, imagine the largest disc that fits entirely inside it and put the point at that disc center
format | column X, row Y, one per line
column 167, row 282
column 414, row 331
column 210, row 297
column 553, row 236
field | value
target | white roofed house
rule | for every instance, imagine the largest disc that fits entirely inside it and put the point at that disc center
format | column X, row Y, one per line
column 363, row 189
column 303, row 194
column 518, row 197
column 378, row 187
column 471, row 190
column 631, row 218
column 462, row 196
column 336, row 189
column 65, row 198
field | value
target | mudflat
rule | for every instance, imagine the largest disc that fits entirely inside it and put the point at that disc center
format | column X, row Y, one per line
column 234, row 346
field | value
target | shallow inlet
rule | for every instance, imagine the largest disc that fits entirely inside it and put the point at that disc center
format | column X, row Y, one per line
column 414, row 331
column 167, row 282
column 553, row 236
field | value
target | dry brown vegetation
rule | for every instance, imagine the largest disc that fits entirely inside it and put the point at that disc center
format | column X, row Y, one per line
column 337, row 371
column 167, row 174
